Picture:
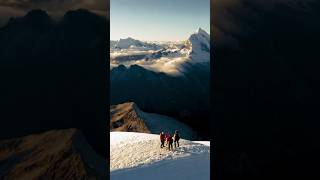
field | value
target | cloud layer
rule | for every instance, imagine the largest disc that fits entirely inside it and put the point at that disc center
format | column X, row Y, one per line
column 172, row 66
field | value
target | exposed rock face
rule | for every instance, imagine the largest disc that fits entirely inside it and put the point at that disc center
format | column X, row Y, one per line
column 124, row 117
column 129, row 118
column 56, row 154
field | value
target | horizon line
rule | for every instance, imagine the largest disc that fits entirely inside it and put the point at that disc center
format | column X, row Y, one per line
column 162, row 40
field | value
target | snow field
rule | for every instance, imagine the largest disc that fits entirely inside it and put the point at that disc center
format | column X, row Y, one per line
column 130, row 149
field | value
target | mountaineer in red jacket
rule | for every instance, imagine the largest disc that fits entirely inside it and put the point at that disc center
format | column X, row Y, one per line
column 169, row 141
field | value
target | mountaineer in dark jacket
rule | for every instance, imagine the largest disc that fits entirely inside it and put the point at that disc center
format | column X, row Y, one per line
column 169, row 141
column 176, row 138
column 162, row 139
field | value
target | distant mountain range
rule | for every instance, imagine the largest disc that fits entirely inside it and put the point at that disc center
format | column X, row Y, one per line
column 130, row 42
column 196, row 48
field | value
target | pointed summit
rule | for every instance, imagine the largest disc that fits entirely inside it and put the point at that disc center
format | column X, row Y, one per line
column 200, row 29
column 198, row 46
column 203, row 33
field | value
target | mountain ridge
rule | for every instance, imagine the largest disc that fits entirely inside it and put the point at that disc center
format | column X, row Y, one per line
column 61, row 154
column 128, row 117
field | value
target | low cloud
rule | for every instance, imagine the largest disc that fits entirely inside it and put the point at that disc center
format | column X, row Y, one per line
column 172, row 66
column 168, row 65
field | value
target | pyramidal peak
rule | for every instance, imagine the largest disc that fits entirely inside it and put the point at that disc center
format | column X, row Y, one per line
column 201, row 31
column 198, row 46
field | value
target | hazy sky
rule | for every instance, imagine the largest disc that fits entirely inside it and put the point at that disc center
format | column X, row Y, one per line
column 158, row 19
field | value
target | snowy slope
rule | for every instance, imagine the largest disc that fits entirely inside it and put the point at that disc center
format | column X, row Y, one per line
column 139, row 156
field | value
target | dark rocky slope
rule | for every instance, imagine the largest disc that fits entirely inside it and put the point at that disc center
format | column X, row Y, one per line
column 124, row 117
column 128, row 117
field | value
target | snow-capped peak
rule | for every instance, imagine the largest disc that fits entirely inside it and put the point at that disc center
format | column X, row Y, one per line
column 198, row 46
column 204, row 34
column 127, row 42
column 136, row 44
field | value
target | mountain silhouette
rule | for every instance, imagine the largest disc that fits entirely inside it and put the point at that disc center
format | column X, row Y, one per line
column 54, row 75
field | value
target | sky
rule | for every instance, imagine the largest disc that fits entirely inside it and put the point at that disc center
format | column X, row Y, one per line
column 158, row 20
